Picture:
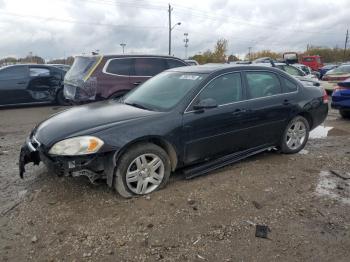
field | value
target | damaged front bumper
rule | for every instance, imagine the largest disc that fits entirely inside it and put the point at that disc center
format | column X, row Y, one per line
column 93, row 166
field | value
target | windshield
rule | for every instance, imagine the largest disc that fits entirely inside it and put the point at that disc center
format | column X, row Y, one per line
column 344, row 69
column 81, row 67
column 163, row 91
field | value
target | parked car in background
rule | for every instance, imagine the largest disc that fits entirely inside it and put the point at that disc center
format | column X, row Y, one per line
column 31, row 84
column 196, row 118
column 341, row 98
column 61, row 66
column 308, row 71
column 323, row 70
column 332, row 77
column 93, row 78
column 294, row 71
column 313, row 61
column 191, row 62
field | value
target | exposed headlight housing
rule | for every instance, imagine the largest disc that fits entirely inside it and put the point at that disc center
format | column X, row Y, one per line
column 82, row 145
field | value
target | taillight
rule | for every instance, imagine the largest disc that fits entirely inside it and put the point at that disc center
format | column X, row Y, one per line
column 325, row 97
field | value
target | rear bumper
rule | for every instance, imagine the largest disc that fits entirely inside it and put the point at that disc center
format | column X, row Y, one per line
column 81, row 91
column 341, row 100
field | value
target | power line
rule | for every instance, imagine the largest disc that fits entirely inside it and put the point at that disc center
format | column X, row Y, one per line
column 79, row 22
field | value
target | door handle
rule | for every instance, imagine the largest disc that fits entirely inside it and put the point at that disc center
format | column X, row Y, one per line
column 286, row 102
column 21, row 83
column 137, row 83
column 239, row 111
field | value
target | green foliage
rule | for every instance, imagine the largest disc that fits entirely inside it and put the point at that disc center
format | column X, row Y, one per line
column 263, row 53
column 329, row 55
column 217, row 56
column 67, row 61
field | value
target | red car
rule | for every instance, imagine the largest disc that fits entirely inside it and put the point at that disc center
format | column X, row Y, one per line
column 313, row 61
column 94, row 78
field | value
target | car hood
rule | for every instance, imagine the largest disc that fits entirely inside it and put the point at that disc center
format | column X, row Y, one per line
column 87, row 119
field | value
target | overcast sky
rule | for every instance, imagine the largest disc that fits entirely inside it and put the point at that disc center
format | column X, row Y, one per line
column 58, row 28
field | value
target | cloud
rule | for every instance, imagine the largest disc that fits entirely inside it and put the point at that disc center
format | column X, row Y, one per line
column 56, row 28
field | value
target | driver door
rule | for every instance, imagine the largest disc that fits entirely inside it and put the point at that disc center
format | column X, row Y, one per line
column 215, row 131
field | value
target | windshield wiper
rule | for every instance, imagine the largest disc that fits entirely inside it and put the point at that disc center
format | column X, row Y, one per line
column 136, row 105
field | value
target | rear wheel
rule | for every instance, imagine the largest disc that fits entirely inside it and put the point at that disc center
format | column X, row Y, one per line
column 142, row 169
column 295, row 135
column 61, row 100
column 344, row 113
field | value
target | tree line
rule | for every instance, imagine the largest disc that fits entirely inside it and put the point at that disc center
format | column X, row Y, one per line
column 34, row 59
column 219, row 54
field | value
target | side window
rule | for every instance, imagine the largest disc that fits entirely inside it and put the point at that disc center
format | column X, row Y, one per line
column 119, row 67
column 13, row 72
column 172, row 63
column 149, row 66
column 224, row 89
column 262, row 84
column 289, row 86
column 36, row 71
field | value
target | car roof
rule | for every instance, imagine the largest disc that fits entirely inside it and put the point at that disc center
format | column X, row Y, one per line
column 209, row 69
column 126, row 56
column 28, row 64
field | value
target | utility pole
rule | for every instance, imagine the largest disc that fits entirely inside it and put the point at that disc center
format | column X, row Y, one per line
column 171, row 27
column 169, row 10
column 123, row 46
column 186, row 40
column 249, row 53
column 346, row 42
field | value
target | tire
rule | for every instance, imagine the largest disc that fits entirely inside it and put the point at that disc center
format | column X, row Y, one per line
column 60, row 99
column 136, row 175
column 344, row 113
column 293, row 141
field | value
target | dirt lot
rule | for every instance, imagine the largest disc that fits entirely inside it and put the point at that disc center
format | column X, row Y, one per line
column 210, row 218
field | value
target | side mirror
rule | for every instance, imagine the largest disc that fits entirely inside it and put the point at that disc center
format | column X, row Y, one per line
column 206, row 104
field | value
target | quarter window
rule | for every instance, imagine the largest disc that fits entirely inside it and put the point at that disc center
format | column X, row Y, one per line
column 262, row 84
column 38, row 72
column 289, row 86
column 224, row 89
column 119, row 67
column 149, row 66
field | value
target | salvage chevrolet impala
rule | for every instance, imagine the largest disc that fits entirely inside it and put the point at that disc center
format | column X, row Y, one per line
column 196, row 119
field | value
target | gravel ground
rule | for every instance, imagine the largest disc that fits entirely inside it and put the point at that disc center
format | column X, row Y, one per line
column 303, row 198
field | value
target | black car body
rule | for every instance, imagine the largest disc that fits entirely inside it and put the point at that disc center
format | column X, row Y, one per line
column 31, row 84
column 227, row 114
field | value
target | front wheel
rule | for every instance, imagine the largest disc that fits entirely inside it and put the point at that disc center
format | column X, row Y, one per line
column 141, row 170
column 295, row 135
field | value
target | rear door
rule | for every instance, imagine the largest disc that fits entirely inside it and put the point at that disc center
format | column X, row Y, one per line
column 145, row 68
column 117, row 76
column 13, row 85
column 269, row 105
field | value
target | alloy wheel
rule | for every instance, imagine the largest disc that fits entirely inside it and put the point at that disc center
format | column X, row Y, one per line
column 145, row 174
column 296, row 135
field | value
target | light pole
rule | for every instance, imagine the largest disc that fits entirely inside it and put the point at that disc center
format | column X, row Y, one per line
column 123, row 46
column 186, row 40
column 171, row 27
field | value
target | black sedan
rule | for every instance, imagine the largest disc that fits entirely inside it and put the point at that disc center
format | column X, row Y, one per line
column 31, row 84
column 195, row 119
